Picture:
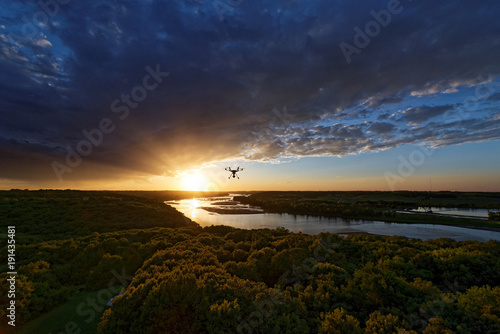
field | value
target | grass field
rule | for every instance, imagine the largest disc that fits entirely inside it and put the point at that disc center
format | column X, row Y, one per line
column 77, row 314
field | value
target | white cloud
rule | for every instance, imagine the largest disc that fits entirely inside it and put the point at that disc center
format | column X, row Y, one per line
column 428, row 91
column 42, row 42
column 451, row 86
column 450, row 90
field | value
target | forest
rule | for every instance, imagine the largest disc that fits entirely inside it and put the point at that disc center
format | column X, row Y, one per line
column 76, row 250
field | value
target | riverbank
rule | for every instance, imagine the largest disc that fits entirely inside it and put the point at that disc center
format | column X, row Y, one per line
column 314, row 225
column 443, row 220
column 389, row 208
column 237, row 211
column 242, row 211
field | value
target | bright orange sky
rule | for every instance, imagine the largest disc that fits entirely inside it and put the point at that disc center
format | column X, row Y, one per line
column 368, row 171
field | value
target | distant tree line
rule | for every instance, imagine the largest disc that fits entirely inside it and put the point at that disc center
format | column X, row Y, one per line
column 495, row 216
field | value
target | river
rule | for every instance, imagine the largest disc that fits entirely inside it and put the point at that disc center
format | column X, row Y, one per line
column 457, row 212
column 254, row 218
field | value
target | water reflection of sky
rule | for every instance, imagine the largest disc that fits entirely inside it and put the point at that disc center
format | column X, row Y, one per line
column 482, row 213
column 314, row 225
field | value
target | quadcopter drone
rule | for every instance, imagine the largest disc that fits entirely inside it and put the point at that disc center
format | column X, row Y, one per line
column 233, row 171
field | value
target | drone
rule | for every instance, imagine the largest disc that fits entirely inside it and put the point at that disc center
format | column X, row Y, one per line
column 234, row 171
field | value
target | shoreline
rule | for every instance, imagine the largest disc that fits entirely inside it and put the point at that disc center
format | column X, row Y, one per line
column 228, row 212
column 485, row 228
column 435, row 214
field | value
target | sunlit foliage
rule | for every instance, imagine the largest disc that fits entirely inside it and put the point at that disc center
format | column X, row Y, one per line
column 220, row 279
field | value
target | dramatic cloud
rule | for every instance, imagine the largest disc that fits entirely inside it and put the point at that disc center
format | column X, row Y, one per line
column 382, row 127
column 260, row 80
column 424, row 113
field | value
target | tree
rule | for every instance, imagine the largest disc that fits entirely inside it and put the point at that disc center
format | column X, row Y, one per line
column 223, row 316
column 339, row 322
column 382, row 324
column 101, row 275
column 437, row 325
column 481, row 302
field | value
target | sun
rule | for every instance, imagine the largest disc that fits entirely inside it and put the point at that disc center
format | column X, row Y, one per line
column 193, row 182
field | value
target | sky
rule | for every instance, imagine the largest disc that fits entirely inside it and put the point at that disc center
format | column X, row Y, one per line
column 301, row 94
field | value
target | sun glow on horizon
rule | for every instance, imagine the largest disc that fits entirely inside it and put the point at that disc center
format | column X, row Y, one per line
column 193, row 182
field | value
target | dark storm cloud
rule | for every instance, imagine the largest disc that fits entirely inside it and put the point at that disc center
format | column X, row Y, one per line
column 226, row 78
column 424, row 113
column 382, row 127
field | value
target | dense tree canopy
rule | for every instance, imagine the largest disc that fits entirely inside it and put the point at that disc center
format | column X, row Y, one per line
column 187, row 279
column 296, row 283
